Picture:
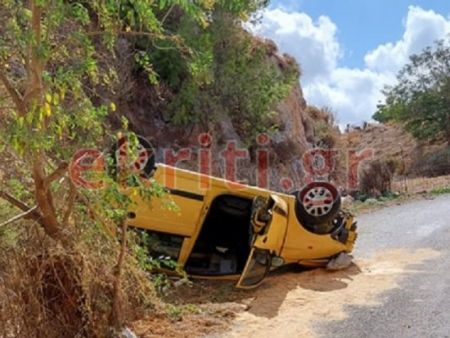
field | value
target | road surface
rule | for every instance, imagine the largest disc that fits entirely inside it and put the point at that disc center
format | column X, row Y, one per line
column 399, row 286
column 420, row 306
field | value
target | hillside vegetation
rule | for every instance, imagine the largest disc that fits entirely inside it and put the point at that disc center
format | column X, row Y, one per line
column 82, row 74
column 421, row 98
column 77, row 75
column 73, row 74
column 420, row 103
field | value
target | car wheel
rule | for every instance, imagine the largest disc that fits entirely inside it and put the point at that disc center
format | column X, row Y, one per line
column 317, row 203
column 143, row 163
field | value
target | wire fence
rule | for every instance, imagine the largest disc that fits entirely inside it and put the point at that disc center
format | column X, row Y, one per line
column 420, row 184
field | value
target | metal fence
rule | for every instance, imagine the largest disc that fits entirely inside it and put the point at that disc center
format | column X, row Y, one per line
column 420, row 184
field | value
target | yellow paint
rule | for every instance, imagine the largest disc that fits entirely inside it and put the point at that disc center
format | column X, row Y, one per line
column 284, row 237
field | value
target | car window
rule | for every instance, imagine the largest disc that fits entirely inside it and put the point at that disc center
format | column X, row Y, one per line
column 256, row 269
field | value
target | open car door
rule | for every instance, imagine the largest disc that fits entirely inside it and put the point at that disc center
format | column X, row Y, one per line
column 257, row 267
column 269, row 219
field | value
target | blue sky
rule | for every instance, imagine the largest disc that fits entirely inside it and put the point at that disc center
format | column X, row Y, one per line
column 363, row 24
column 349, row 49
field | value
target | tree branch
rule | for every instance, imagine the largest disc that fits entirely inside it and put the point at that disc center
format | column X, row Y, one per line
column 57, row 174
column 34, row 92
column 14, row 201
column 167, row 14
column 32, row 213
column 44, row 198
column 16, row 218
column 70, row 202
column 116, row 316
column 13, row 93
column 109, row 230
column 125, row 33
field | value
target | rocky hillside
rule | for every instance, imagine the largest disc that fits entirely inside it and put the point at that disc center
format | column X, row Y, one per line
column 292, row 135
column 392, row 142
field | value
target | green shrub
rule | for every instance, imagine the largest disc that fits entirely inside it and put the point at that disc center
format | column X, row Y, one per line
column 440, row 191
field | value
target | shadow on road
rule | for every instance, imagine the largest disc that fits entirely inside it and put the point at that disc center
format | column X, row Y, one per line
column 266, row 300
column 272, row 294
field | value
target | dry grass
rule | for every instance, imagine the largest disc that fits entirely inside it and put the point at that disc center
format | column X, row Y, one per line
column 376, row 178
column 47, row 290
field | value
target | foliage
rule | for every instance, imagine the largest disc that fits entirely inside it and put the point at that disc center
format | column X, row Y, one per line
column 388, row 196
column 59, row 71
column 55, row 59
column 51, row 62
column 441, row 191
column 326, row 131
column 232, row 76
column 421, row 98
column 142, row 241
column 176, row 312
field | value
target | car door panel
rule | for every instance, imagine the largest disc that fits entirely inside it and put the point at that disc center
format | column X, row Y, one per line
column 267, row 243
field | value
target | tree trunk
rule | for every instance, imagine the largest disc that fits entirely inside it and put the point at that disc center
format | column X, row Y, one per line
column 44, row 199
column 33, row 100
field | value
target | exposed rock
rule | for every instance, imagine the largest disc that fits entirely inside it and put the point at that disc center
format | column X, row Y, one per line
column 341, row 261
column 286, row 146
column 390, row 142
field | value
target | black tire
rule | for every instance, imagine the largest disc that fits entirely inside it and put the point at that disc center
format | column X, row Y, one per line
column 317, row 203
column 145, row 163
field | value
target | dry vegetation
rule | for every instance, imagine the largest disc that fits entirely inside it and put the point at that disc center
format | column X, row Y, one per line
column 53, row 289
column 376, row 178
column 47, row 290
column 422, row 184
column 326, row 135
column 398, row 158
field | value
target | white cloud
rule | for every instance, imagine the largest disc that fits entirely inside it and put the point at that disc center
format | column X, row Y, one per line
column 352, row 93
column 422, row 28
column 314, row 43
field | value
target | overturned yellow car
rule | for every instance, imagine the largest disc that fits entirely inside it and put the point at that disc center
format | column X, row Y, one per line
column 242, row 231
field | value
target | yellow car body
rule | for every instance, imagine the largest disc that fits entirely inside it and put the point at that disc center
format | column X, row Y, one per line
column 216, row 231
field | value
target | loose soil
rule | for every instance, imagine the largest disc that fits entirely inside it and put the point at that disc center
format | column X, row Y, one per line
column 291, row 303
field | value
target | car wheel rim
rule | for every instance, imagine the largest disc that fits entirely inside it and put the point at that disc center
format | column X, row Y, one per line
column 141, row 159
column 318, row 201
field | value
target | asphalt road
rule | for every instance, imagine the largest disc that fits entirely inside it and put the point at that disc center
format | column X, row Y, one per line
column 420, row 306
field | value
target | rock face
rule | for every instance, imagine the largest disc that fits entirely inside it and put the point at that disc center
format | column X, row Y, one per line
column 387, row 142
column 284, row 148
column 291, row 141
column 391, row 142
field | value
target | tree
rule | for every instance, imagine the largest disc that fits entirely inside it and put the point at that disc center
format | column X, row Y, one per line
column 239, row 80
column 57, row 59
column 54, row 55
column 421, row 99
column 58, row 76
